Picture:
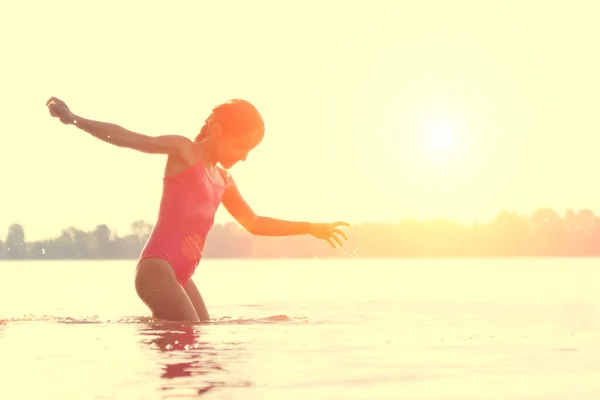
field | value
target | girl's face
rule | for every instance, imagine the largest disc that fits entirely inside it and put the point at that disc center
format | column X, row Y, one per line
column 233, row 149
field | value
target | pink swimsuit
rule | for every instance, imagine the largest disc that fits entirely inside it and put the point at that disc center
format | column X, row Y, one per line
column 187, row 211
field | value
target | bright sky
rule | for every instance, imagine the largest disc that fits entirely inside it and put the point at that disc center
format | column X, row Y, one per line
column 375, row 110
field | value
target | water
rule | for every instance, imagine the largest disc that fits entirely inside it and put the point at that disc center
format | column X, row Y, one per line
column 307, row 329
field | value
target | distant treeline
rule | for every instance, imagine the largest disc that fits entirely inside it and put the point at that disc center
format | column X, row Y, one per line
column 544, row 233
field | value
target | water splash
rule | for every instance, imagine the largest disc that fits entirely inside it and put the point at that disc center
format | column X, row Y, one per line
column 226, row 320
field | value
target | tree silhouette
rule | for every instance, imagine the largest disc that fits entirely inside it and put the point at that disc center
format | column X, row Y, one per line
column 141, row 230
column 508, row 234
column 15, row 242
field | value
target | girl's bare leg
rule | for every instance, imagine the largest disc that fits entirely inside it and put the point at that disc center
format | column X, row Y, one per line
column 197, row 301
column 159, row 289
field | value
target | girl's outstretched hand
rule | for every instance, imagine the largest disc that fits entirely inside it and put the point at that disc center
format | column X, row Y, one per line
column 59, row 109
column 329, row 232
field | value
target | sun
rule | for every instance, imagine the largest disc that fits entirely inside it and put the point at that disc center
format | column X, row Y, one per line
column 441, row 138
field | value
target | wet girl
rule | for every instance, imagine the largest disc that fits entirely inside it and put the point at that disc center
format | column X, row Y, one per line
column 193, row 188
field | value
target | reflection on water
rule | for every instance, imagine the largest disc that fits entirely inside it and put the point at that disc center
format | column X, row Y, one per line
column 507, row 328
column 188, row 361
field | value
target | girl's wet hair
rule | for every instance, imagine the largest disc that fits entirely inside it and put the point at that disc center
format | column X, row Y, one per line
column 236, row 117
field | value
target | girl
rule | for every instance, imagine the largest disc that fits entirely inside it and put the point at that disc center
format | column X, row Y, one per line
column 193, row 188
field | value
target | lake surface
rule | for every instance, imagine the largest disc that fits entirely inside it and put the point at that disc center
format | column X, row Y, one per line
column 307, row 329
